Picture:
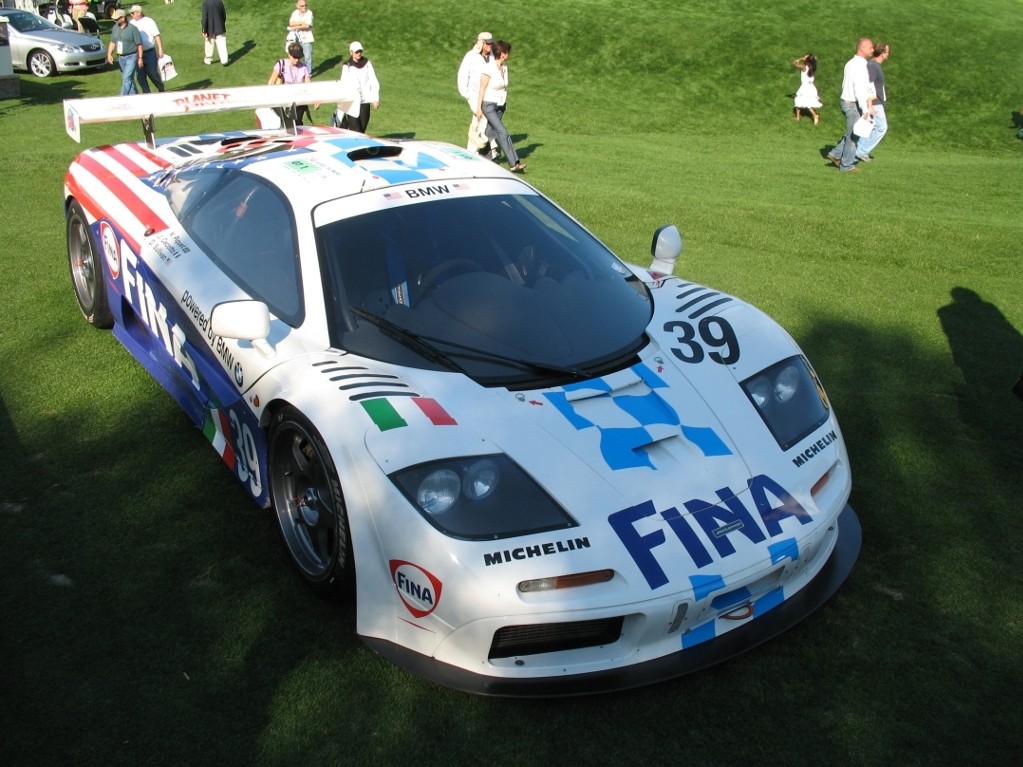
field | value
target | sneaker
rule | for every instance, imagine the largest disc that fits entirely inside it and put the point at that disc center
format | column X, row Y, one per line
column 864, row 158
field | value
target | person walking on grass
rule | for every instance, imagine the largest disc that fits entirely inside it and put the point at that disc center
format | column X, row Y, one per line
column 856, row 93
column 292, row 70
column 807, row 97
column 868, row 144
column 468, row 80
column 359, row 80
column 126, row 42
column 152, row 50
column 493, row 99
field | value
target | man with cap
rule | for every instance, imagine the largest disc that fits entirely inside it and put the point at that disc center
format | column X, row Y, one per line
column 126, row 41
column 152, row 50
column 468, row 81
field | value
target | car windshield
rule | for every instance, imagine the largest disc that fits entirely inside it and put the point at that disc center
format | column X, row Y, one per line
column 28, row 22
column 504, row 287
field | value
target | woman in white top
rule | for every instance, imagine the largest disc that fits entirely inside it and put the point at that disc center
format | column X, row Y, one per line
column 493, row 98
column 359, row 79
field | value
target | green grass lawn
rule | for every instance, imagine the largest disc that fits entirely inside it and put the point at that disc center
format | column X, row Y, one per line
column 148, row 613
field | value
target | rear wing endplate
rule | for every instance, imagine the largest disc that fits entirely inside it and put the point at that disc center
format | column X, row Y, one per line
column 148, row 106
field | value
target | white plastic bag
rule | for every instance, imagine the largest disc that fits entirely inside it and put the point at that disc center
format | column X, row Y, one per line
column 268, row 119
column 478, row 132
column 166, row 66
column 863, row 126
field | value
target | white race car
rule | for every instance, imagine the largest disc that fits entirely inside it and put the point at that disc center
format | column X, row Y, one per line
column 552, row 471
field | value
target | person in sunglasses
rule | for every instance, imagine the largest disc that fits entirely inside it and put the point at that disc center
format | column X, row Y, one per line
column 292, row 70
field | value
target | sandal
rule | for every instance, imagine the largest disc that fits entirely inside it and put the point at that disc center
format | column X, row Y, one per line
column 518, row 167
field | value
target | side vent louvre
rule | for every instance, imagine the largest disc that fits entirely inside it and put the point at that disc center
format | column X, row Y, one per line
column 360, row 383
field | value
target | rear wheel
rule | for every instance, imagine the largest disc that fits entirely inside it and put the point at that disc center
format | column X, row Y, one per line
column 306, row 496
column 41, row 64
column 86, row 269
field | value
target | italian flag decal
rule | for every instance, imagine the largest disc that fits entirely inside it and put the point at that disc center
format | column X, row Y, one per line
column 215, row 429
column 388, row 415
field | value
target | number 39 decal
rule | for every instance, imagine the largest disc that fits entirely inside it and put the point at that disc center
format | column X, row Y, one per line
column 713, row 333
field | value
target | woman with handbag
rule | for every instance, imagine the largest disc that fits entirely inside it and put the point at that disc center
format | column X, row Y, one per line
column 292, row 70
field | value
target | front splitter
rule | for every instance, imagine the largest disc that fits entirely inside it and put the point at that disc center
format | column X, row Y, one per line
column 735, row 642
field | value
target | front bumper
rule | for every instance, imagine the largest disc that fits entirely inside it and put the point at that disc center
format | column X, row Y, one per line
column 685, row 661
column 77, row 61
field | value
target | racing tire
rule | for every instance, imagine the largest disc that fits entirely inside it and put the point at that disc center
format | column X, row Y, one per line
column 306, row 495
column 41, row 64
column 86, row 270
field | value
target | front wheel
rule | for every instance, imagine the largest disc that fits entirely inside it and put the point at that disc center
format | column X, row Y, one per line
column 86, row 269
column 306, row 496
column 41, row 64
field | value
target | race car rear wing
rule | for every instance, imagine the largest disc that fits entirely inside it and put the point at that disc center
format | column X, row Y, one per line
column 148, row 106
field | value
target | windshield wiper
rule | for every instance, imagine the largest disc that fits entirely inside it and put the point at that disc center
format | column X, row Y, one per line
column 427, row 344
column 417, row 342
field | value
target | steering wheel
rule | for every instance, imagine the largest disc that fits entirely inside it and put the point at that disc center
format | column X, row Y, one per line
column 430, row 279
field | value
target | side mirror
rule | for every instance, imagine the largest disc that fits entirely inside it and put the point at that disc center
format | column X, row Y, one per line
column 666, row 248
column 244, row 321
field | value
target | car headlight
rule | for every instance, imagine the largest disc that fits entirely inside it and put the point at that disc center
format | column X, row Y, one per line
column 68, row 48
column 480, row 498
column 789, row 398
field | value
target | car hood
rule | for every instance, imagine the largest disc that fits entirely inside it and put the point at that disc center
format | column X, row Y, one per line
column 60, row 37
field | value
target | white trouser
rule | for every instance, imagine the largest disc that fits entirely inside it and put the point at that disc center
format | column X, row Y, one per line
column 221, row 43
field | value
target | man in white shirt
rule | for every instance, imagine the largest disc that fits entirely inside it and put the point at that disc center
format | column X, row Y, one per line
column 301, row 25
column 856, row 93
column 152, row 50
column 468, row 81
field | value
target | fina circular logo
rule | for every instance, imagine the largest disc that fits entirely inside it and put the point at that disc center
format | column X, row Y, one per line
column 418, row 589
column 112, row 254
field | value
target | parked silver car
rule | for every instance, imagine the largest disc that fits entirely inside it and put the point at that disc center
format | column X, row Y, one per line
column 42, row 48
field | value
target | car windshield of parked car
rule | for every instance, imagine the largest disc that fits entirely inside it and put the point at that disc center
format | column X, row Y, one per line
column 504, row 287
column 28, row 22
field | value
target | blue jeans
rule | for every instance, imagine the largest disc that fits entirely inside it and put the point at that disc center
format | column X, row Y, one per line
column 128, row 65
column 866, row 145
column 846, row 146
column 150, row 71
column 307, row 55
column 496, row 130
